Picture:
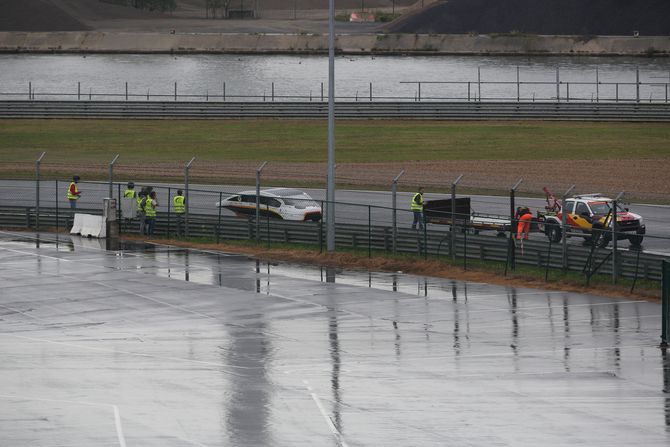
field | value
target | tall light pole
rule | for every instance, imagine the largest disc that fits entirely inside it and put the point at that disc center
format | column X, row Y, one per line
column 330, row 190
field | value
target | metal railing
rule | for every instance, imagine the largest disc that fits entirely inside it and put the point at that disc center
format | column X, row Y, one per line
column 350, row 110
column 556, row 89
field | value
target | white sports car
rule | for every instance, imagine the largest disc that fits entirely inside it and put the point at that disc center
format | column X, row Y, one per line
column 281, row 203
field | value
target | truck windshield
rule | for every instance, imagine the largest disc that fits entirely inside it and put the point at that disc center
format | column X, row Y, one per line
column 603, row 207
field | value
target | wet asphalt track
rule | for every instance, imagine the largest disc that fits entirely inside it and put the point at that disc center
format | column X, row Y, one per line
column 159, row 346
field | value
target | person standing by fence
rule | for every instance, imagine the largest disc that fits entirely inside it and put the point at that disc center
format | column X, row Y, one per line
column 73, row 192
column 179, row 202
column 150, row 210
column 525, row 219
column 141, row 213
column 417, row 209
column 130, row 192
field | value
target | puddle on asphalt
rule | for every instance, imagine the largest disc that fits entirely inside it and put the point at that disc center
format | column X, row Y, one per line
column 241, row 271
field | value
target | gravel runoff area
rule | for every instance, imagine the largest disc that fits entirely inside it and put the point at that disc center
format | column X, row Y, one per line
column 642, row 179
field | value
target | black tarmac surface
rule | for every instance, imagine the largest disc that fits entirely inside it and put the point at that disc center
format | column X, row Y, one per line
column 160, row 346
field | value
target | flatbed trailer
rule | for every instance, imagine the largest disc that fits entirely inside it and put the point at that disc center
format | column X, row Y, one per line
column 439, row 212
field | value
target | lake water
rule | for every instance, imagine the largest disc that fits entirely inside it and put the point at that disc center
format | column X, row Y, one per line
column 392, row 77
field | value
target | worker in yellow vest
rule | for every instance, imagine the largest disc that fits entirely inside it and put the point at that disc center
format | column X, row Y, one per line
column 179, row 202
column 150, row 210
column 417, row 209
column 73, row 192
column 130, row 192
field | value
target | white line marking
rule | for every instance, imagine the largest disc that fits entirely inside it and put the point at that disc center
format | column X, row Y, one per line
column 329, row 421
column 117, row 417
column 119, row 428
column 34, row 254
column 217, row 366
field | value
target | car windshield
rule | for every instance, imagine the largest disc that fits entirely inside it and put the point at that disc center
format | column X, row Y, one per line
column 300, row 203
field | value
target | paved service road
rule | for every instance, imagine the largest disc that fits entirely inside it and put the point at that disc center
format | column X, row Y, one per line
column 160, row 346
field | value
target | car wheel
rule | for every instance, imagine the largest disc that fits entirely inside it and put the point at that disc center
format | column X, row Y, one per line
column 600, row 237
column 554, row 232
column 636, row 240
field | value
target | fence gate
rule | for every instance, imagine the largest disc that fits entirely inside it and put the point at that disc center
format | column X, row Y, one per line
column 665, row 325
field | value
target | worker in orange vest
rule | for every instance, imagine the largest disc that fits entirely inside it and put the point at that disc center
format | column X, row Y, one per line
column 525, row 217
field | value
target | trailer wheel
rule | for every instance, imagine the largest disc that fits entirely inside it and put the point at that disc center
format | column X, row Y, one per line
column 553, row 232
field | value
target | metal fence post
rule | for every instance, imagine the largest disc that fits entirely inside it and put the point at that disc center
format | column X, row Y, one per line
column 119, row 217
column 169, row 212
column 224, row 92
column 518, row 85
column 615, row 245
column 564, row 228
column 218, row 225
column 37, row 190
column 394, row 206
column 637, row 84
column 126, row 91
column 369, row 231
column 111, row 177
column 273, row 92
column 558, row 85
column 665, row 303
column 452, row 241
column 186, row 200
column 511, row 248
column 175, row 91
column 78, row 91
column 597, row 85
column 57, row 221
column 479, row 84
column 371, row 92
column 258, row 200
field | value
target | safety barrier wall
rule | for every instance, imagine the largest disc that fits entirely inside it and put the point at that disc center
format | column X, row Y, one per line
column 433, row 242
column 650, row 112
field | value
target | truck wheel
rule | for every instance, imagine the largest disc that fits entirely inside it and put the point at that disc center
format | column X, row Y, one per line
column 554, row 233
column 636, row 240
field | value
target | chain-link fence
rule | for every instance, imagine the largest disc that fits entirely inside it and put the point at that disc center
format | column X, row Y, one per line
column 447, row 230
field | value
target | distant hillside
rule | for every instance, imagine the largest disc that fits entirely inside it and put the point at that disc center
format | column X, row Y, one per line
column 562, row 17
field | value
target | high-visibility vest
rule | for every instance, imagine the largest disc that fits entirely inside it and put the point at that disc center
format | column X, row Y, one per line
column 417, row 202
column 139, row 203
column 179, row 206
column 149, row 208
column 129, row 193
column 71, row 196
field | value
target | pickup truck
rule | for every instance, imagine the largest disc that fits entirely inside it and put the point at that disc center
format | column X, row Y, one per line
column 590, row 216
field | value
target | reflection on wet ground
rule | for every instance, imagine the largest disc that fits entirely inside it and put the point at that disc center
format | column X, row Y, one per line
column 156, row 345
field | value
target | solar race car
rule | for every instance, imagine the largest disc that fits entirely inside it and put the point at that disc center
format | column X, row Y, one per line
column 279, row 203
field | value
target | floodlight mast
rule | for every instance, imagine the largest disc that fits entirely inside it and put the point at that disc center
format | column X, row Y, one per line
column 330, row 190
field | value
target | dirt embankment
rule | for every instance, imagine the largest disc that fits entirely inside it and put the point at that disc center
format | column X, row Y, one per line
column 432, row 268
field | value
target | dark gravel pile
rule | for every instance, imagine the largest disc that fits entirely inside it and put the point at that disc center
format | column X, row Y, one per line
column 563, row 17
column 36, row 15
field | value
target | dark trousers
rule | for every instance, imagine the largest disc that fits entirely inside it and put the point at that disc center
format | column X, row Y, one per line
column 418, row 218
column 150, row 225
column 180, row 224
